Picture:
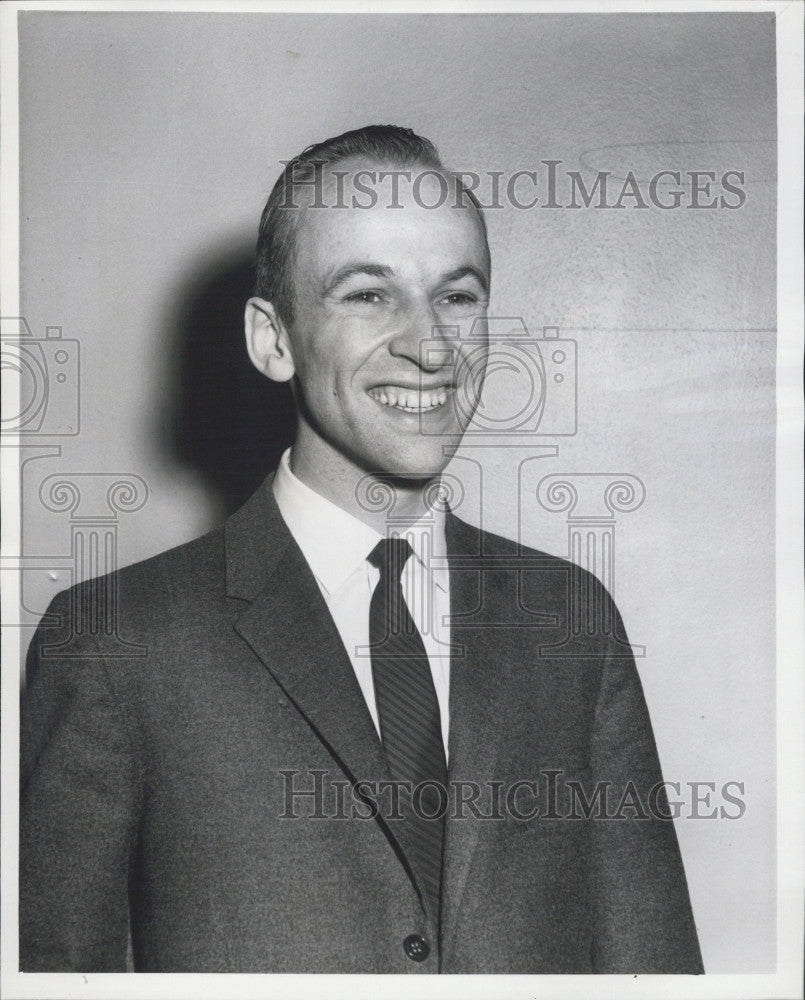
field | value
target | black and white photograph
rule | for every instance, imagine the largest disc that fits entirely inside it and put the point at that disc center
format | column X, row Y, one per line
column 402, row 489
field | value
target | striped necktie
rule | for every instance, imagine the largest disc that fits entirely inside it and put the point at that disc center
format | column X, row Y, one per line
column 408, row 709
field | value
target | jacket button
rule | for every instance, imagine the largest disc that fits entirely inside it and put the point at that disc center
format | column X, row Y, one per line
column 416, row 948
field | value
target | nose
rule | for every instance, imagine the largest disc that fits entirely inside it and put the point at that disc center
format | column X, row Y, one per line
column 422, row 339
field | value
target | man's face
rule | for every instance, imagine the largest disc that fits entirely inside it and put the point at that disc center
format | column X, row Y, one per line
column 371, row 285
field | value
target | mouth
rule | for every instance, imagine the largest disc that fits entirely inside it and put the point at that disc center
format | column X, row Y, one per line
column 410, row 400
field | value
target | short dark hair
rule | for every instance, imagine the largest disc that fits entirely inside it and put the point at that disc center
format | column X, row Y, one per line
column 274, row 255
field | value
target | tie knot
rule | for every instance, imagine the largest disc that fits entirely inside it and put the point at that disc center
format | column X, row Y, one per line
column 390, row 555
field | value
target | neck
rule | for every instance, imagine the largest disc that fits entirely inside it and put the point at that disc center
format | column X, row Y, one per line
column 370, row 497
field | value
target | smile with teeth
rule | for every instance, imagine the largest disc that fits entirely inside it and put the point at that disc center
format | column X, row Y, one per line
column 409, row 400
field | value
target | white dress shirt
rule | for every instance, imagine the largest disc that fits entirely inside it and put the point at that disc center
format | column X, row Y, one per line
column 336, row 545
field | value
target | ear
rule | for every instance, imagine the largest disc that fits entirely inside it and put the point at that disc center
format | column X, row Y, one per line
column 267, row 341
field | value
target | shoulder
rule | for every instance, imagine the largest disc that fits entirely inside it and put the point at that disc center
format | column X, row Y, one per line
column 179, row 573
column 182, row 572
column 471, row 542
column 158, row 593
column 187, row 576
column 529, row 577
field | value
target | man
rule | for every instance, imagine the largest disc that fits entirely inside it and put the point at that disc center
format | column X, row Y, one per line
column 353, row 744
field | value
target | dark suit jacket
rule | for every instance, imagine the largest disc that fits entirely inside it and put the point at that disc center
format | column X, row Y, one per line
column 154, row 803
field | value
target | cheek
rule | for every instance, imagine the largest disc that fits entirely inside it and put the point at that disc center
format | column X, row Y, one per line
column 328, row 384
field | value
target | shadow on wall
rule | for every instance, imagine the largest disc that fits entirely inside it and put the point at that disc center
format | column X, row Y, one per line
column 226, row 422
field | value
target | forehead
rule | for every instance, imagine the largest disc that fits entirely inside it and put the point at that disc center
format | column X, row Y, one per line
column 420, row 217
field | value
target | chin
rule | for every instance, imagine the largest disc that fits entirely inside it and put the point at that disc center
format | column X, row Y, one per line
column 419, row 463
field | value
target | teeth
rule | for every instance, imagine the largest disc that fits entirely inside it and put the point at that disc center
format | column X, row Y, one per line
column 409, row 400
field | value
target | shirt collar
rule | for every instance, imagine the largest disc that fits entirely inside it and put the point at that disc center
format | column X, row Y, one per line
column 335, row 543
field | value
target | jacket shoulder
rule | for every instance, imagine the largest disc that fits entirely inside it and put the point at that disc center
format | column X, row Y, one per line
column 479, row 542
column 532, row 578
column 164, row 587
column 179, row 570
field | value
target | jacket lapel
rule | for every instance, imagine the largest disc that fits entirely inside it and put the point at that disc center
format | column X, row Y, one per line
column 286, row 622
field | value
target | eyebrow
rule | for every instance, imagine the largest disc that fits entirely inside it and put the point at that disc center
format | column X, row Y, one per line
column 382, row 271
column 468, row 271
column 350, row 270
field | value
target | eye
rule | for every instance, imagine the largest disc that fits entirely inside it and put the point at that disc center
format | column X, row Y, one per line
column 460, row 299
column 366, row 297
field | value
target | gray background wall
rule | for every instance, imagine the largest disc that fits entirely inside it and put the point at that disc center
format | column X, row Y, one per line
column 149, row 143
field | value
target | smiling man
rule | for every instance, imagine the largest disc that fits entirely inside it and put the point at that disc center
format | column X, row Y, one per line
column 351, row 744
column 370, row 284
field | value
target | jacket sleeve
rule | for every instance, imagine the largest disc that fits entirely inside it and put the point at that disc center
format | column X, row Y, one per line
column 643, row 918
column 80, row 783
